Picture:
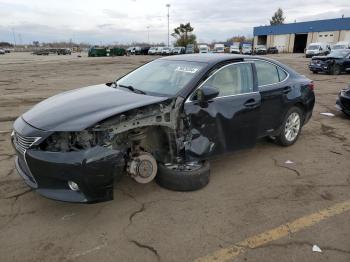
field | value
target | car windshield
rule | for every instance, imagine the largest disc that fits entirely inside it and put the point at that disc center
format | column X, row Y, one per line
column 313, row 47
column 161, row 77
column 339, row 53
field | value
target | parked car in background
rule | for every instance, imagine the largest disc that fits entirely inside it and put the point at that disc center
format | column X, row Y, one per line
column 203, row 49
column 64, row 51
column 247, row 49
column 219, row 48
column 144, row 50
column 317, row 49
column 335, row 63
column 235, row 48
column 341, row 45
column 7, row 51
column 343, row 101
column 2, row 51
column 152, row 50
column 166, row 51
column 162, row 121
column 260, row 50
column 159, row 50
column 178, row 50
column 272, row 50
column 189, row 49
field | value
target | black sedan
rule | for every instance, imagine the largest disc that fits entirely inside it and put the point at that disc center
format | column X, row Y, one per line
column 343, row 101
column 163, row 120
column 335, row 63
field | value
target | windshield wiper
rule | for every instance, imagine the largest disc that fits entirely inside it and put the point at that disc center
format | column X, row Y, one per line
column 133, row 89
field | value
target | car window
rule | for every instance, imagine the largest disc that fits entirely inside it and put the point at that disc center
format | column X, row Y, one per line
column 233, row 79
column 282, row 74
column 267, row 73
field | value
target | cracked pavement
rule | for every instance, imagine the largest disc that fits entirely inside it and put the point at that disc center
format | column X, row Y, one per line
column 250, row 191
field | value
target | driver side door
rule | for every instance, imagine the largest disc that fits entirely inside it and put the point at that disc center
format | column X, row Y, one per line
column 228, row 122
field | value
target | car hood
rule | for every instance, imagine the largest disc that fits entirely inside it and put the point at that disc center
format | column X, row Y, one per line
column 324, row 58
column 81, row 108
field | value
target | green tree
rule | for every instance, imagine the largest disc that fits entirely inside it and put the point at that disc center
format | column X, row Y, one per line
column 277, row 17
column 184, row 35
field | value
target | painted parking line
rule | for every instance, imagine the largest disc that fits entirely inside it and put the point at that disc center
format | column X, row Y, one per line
column 281, row 231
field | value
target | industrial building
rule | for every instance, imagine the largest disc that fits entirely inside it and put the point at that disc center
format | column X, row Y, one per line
column 295, row 37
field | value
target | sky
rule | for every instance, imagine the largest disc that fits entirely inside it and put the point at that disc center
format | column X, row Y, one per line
column 127, row 21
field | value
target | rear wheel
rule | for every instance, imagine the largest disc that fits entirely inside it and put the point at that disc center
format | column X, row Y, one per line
column 291, row 127
column 183, row 177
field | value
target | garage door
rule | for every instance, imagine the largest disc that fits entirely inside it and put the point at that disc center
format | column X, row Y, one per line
column 281, row 42
column 326, row 37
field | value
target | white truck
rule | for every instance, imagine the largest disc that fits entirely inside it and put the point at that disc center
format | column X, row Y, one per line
column 247, row 49
column 235, row 48
column 219, row 48
column 316, row 49
column 203, row 49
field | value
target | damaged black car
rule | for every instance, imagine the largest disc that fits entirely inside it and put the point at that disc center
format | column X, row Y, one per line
column 343, row 101
column 335, row 63
column 162, row 121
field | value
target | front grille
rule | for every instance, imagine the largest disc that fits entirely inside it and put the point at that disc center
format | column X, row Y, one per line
column 22, row 143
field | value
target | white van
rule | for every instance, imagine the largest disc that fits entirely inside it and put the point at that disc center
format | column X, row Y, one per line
column 341, row 45
column 219, row 48
column 203, row 49
column 317, row 49
column 234, row 48
column 247, row 49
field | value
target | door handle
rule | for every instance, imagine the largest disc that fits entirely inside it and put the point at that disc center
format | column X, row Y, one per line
column 250, row 103
column 287, row 89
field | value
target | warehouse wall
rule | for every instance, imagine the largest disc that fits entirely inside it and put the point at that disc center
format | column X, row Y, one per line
column 285, row 43
column 344, row 35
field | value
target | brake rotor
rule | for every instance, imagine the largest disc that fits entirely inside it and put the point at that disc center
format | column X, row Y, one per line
column 143, row 168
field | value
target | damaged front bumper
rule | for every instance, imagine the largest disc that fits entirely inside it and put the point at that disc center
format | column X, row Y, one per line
column 48, row 173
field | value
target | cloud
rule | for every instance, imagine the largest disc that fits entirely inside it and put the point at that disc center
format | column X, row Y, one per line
column 127, row 21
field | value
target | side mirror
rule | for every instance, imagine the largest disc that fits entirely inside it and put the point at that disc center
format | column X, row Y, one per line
column 206, row 93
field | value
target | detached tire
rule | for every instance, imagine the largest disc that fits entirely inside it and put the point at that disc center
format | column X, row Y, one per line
column 174, row 178
column 291, row 127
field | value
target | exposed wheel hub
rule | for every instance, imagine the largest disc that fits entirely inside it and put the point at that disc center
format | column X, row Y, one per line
column 143, row 168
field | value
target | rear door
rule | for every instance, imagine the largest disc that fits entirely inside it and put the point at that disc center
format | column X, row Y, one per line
column 274, row 89
column 230, row 121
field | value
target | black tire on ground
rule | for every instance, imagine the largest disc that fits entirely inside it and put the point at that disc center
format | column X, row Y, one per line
column 177, row 180
column 335, row 70
column 281, row 139
column 314, row 72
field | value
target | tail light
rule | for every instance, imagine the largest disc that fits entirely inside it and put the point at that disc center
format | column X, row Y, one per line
column 311, row 86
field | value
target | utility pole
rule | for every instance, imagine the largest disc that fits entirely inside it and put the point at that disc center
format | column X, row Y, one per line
column 14, row 37
column 148, row 33
column 168, row 6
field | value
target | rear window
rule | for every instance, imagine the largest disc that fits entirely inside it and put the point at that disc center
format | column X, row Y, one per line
column 282, row 74
column 267, row 73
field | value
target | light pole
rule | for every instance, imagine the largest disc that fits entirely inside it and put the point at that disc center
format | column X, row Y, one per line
column 148, row 33
column 168, row 6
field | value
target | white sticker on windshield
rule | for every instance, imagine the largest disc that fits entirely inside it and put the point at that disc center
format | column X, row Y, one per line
column 187, row 69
